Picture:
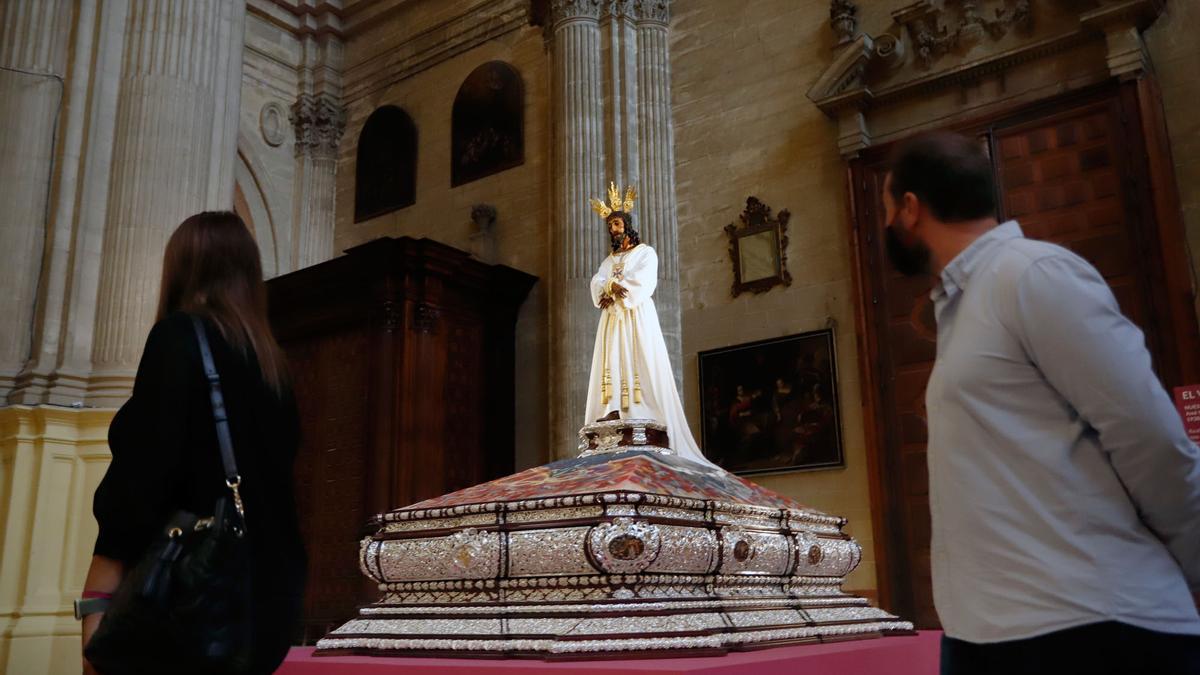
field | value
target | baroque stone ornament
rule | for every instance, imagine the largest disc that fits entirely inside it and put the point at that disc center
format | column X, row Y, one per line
column 319, row 122
column 936, row 31
column 636, row 552
column 484, row 217
column 843, row 20
column 271, row 122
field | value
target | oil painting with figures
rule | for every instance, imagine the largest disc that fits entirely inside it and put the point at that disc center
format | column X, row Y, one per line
column 771, row 406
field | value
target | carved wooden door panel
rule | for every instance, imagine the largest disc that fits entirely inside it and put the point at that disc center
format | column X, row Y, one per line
column 1068, row 176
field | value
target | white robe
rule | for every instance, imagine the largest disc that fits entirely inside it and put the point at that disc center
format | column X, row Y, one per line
column 637, row 354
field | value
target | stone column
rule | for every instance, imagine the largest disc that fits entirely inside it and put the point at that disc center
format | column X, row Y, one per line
column 578, row 239
column 619, row 36
column 656, row 165
column 227, row 103
column 161, row 165
column 33, row 57
column 319, row 122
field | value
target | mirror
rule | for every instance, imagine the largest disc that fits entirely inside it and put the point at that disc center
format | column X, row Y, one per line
column 758, row 248
column 757, row 256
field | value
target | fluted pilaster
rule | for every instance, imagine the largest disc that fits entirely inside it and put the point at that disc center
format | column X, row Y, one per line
column 621, row 92
column 162, row 154
column 33, row 54
column 656, row 165
column 319, row 122
column 578, row 238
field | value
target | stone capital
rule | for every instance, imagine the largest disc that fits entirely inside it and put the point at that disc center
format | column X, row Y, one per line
column 621, row 9
column 562, row 11
column 653, row 11
column 319, row 122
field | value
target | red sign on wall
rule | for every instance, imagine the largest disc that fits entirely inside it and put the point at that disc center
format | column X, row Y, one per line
column 1187, row 399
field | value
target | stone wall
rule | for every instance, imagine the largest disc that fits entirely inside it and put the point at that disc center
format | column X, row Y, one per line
column 266, row 162
column 743, row 126
column 377, row 74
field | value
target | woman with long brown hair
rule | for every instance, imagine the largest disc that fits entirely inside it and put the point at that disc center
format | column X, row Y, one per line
column 164, row 444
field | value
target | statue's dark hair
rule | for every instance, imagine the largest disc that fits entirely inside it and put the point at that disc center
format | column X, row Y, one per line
column 629, row 230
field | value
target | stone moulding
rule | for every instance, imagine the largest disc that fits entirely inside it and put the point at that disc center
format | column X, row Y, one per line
column 624, row 551
column 842, row 85
column 477, row 25
column 869, row 73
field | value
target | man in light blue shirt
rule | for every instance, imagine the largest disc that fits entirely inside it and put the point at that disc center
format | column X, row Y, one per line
column 1064, row 492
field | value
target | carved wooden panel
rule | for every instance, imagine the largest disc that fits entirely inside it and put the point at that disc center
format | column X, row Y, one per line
column 1063, row 179
column 330, row 468
column 465, row 351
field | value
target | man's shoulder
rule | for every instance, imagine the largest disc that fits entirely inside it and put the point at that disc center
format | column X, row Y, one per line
column 1023, row 265
column 1016, row 256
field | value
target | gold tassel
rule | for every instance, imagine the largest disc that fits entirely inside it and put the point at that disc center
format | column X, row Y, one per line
column 637, row 380
column 605, row 378
column 624, row 396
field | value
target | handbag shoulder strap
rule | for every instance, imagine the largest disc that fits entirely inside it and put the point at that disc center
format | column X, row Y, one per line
column 224, row 438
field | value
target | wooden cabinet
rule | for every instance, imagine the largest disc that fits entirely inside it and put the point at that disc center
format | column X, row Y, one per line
column 401, row 353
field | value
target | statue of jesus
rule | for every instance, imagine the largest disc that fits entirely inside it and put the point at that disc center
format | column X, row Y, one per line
column 631, row 372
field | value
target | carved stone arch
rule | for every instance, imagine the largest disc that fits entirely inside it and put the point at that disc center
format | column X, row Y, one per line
column 252, row 200
column 488, row 123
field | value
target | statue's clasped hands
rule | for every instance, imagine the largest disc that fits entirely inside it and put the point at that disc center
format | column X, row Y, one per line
column 617, row 292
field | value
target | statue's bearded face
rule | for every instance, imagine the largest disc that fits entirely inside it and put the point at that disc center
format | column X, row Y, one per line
column 621, row 232
column 616, row 228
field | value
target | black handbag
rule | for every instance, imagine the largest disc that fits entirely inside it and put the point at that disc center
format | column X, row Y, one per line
column 186, row 607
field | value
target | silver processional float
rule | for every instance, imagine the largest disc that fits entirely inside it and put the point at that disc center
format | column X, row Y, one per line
column 637, row 547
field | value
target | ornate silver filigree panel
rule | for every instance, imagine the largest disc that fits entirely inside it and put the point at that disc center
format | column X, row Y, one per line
column 624, row 545
column 548, row 552
column 468, row 554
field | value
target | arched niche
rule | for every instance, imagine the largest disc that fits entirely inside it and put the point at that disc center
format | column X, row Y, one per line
column 488, row 123
column 385, row 177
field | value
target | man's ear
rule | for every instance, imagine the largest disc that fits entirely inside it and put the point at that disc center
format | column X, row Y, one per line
column 910, row 210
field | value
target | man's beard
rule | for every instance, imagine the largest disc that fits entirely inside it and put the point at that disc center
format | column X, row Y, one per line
column 909, row 258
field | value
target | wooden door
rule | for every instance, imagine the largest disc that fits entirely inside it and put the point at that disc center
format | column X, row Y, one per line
column 1071, row 173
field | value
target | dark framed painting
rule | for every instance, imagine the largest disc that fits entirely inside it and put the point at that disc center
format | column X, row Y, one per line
column 487, row 123
column 772, row 406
